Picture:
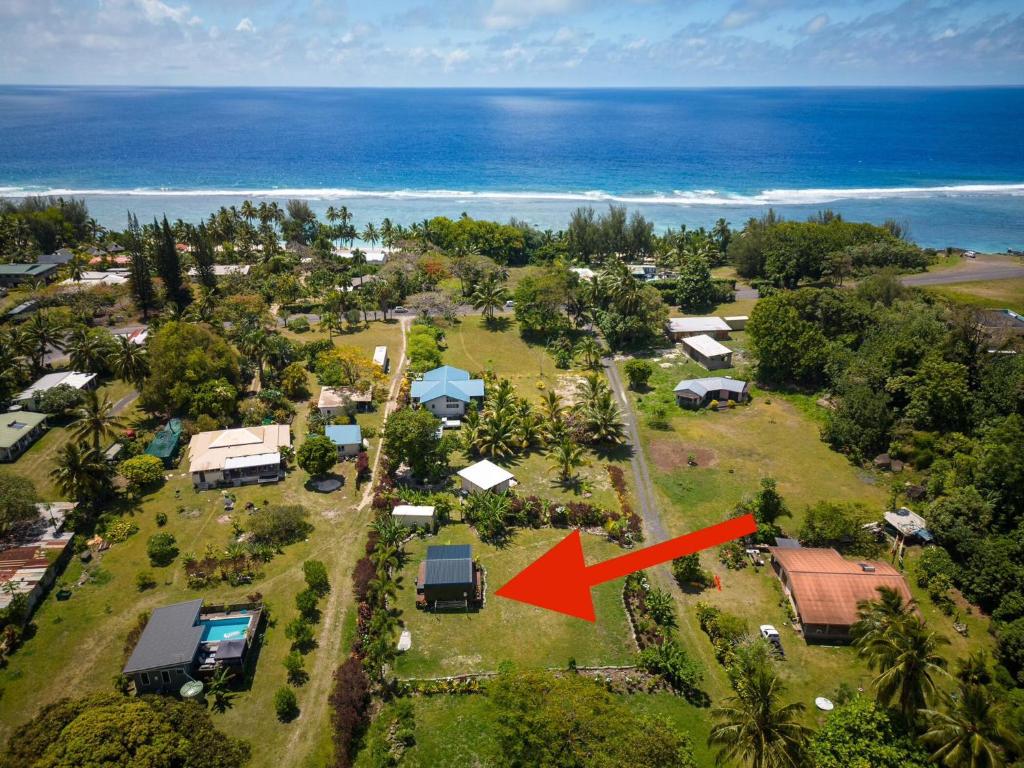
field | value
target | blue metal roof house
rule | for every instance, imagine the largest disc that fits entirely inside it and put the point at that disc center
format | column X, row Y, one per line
column 446, row 391
column 347, row 437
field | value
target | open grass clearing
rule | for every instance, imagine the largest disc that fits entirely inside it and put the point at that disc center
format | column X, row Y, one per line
column 989, row 294
column 456, row 643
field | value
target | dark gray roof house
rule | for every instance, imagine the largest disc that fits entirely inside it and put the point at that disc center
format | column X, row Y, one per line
column 170, row 639
column 60, row 256
column 698, row 392
column 448, row 577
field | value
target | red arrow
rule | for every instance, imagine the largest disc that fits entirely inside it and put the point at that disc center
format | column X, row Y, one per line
column 560, row 580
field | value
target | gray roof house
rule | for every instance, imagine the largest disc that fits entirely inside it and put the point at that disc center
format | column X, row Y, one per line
column 181, row 642
column 60, row 256
column 448, row 578
column 16, row 274
column 446, row 391
column 694, row 393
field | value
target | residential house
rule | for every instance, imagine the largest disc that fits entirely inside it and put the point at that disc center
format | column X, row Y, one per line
column 446, row 391
column 448, row 578
column 19, row 274
column 182, row 641
column 825, row 588
column 18, row 430
column 908, row 526
column 643, row 272
column 236, row 457
column 343, row 401
column 707, row 352
column 485, row 476
column 74, row 379
column 109, row 279
column 61, row 256
column 695, row 393
column 370, row 255
column 224, row 270
column 679, row 328
column 348, row 438
column 412, row 516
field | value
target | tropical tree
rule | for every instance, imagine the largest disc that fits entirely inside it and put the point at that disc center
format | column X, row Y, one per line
column 755, row 728
column 488, row 512
column 389, row 532
column 81, row 474
column 906, row 656
column 219, row 687
column 566, row 457
column 589, row 349
column 489, row 296
column 90, row 350
column 970, row 731
column 40, row 334
column 95, row 420
column 603, row 419
column 370, row 234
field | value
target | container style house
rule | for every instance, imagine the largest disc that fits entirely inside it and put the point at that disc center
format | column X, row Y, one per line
column 448, row 578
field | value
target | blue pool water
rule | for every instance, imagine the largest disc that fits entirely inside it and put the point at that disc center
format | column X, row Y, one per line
column 215, row 630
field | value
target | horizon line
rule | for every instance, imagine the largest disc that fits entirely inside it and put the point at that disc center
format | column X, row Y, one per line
column 823, row 86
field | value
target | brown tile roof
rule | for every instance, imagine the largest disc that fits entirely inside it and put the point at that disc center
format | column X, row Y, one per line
column 826, row 587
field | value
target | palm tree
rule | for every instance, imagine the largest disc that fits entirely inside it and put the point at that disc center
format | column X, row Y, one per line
column 970, row 731
column 387, row 233
column 876, row 617
column 90, row 350
column 389, row 533
column 601, row 415
column 496, row 434
column 95, row 419
column 80, row 474
column 330, row 321
column 908, row 663
column 755, row 728
column 39, row 335
column 489, row 297
column 254, row 344
column 370, row 234
column 591, row 351
column 130, row 363
column 566, row 458
column 219, row 687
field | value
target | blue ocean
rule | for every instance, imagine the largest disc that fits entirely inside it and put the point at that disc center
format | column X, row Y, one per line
column 948, row 162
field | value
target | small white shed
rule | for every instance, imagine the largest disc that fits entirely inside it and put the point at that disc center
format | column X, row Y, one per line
column 485, row 476
column 413, row 516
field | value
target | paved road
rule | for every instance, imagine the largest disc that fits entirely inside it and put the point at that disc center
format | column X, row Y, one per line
column 970, row 272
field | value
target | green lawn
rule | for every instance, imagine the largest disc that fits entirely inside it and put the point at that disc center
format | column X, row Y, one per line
column 455, row 643
column 475, row 347
column 992, row 294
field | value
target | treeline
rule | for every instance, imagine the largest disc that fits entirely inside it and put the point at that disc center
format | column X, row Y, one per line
column 783, row 253
column 37, row 225
column 912, row 377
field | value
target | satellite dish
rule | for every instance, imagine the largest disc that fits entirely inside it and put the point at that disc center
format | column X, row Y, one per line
column 193, row 689
column 825, row 705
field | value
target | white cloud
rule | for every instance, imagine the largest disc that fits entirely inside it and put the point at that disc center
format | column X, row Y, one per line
column 513, row 14
column 245, row 25
column 946, row 34
column 815, row 25
column 736, row 19
column 158, row 12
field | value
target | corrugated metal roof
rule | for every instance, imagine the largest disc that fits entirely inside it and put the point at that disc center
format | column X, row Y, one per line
column 440, row 572
column 706, row 346
column 344, row 434
column 485, row 474
column 450, row 552
column 697, row 324
column 711, row 384
column 446, row 381
column 171, row 637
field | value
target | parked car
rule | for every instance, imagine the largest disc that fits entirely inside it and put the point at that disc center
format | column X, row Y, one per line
column 771, row 634
column 399, row 310
column 509, row 304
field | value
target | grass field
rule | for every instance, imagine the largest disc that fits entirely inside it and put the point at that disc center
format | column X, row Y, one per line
column 455, row 643
column 992, row 294
column 77, row 645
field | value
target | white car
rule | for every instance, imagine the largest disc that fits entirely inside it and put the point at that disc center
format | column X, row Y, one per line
column 771, row 634
column 509, row 304
column 399, row 310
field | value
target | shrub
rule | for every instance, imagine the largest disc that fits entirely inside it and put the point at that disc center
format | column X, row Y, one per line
column 639, row 373
column 317, row 455
column 672, row 663
column 285, row 704
column 657, row 417
column 162, row 549
column 298, row 324
column 315, row 573
column 300, row 632
column 119, row 530
column 144, row 580
column 279, row 524
column 161, row 519
column 306, row 601
column 687, row 571
column 349, row 701
column 141, row 471
column 295, row 665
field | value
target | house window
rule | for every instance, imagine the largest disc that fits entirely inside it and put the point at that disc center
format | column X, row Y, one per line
column 144, row 677
column 165, row 676
column 452, row 402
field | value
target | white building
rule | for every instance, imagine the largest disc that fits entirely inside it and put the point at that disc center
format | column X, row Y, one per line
column 96, row 279
column 446, row 391
column 679, row 328
column 74, row 379
column 380, row 357
column 485, row 476
column 707, row 352
column 414, row 516
column 238, row 456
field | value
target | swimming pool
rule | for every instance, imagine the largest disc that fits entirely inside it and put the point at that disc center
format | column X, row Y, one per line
column 230, row 628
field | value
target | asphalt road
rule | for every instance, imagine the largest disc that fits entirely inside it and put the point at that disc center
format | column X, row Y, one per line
column 969, row 272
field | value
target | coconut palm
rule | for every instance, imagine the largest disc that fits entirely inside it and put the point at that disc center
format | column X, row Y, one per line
column 90, row 350
column 496, row 434
column 40, row 334
column 80, row 473
column 389, row 533
column 876, row 617
column 908, row 663
column 589, row 349
column 755, row 728
column 370, row 234
column 130, row 363
column 95, row 419
column 387, row 233
column 219, row 686
column 489, row 296
column 602, row 418
column 254, row 344
column 969, row 732
column 566, row 458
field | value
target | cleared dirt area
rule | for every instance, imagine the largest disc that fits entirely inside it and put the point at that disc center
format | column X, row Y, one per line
column 668, row 454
